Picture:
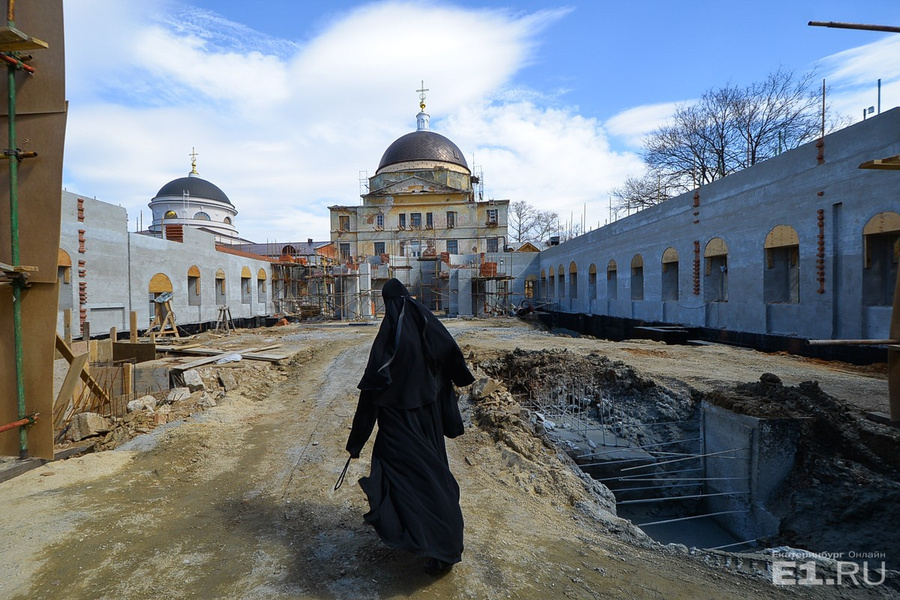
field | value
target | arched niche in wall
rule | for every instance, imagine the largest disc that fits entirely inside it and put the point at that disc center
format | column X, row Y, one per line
column 669, row 274
column 637, row 277
column 193, row 285
column 592, row 282
column 561, row 282
column 715, row 287
column 573, row 280
column 64, row 274
column 261, row 285
column 612, row 280
column 781, row 275
column 881, row 253
column 221, row 294
column 551, row 283
column 246, row 285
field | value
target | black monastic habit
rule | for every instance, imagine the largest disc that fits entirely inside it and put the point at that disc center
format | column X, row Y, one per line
column 408, row 390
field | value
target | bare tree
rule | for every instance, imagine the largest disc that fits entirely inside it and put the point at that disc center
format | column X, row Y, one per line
column 727, row 130
column 520, row 221
column 638, row 193
column 528, row 224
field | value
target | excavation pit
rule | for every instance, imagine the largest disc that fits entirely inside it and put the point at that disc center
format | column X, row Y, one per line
column 760, row 465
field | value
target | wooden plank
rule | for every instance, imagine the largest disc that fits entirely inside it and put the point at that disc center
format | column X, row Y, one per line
column 76, row 366
column 133, row 331
column 85, row 376
column 136, row 352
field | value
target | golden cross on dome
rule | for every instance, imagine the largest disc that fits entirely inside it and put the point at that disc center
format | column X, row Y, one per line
column 193, row 156
column 422, row 91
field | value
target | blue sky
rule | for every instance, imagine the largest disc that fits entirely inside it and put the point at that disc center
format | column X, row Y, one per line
column 290, row 103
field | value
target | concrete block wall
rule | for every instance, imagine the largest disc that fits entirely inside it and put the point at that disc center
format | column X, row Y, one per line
column 828, row 204
column 112, row 269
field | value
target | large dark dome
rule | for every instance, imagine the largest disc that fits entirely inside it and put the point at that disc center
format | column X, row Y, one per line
column 422, row 145
column 196, row 187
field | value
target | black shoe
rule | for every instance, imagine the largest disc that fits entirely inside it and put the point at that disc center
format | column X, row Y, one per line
column 435, row 566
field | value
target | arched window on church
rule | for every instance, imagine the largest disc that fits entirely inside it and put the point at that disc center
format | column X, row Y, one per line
column 64, row 274
column 592, row 282
column 637, row 277
column 881, row 249
column 781, row 277
column 670, row 275
column 246, row 289
column 261, row 286
column 201, row 216
column 612, row 280
column 551, row 285
column 227, row 220
column 573, row 280
column 221, row 297
column 193, row 286
column 542, row 289
column 716, row 282
column 561, row 280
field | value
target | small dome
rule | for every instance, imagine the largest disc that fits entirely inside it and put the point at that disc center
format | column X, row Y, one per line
column 195, row 187
column 422, row 145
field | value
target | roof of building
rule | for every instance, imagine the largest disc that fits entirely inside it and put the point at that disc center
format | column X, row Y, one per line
column 196, row 188
column 422, row 145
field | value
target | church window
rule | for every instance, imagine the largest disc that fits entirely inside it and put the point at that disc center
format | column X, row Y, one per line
column 415, row 220
column 246, row 286
column 529, row 286
column 451, row 219
column 592, row 282
column 492, row 216
column 573, row 280
column 670, row 275
column 220, row 287
column 781, row 277
column 453, row 246
column 612, row 280
column 881, row 256
column 345, row 251
column 493, row 244
column 344, row 222
column 429, row 220
column 379, row 248
column 193, row 286
column 201, row 216
column 379, row 220
column 170, row 214
column 716, row 280
column 227, row 220
column 637, row 277
column 402, row 221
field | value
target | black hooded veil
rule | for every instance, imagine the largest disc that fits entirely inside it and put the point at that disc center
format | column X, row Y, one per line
column 408, row 389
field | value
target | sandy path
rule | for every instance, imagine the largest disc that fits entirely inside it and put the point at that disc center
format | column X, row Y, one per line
column 238, row 503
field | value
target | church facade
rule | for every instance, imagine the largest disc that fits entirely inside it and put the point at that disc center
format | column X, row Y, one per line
column 421, row 202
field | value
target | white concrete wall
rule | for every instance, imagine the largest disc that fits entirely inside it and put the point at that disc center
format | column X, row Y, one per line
column 741, row 209
column 119, row 266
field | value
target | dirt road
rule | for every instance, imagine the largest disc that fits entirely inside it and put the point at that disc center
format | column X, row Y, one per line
column 237, row 502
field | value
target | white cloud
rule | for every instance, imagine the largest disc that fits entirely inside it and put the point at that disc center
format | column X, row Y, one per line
column 634, row 124
column 285, row 127
column 852, row 77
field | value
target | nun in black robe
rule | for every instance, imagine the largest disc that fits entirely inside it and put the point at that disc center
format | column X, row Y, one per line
column 408, row 389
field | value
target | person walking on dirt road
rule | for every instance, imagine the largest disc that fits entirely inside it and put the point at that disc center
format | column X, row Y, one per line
column 407, row 388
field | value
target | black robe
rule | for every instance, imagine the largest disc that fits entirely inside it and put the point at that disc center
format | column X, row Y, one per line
column 408, row 389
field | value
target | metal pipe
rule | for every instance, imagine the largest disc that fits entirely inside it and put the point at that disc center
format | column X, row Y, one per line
column 15, row 62
column 655, row 487
column 675, row 460
column 624, row 448
column 734, row 544
column 689, row 497
column 838, row 25
column 634, row 477
column 715, row 514
column 29, row 420
column 18, row 283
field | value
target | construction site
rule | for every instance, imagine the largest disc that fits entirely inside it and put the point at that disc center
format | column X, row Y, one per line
column 177, row 433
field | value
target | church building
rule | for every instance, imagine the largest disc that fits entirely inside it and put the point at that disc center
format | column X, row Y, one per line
column 421, row 202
